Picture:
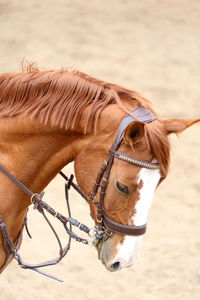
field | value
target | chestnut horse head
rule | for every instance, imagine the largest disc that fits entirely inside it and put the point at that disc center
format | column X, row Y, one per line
column 50, row 118
column 144, row 154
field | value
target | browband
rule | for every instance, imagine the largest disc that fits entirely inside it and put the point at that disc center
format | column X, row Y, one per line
column 135, row 161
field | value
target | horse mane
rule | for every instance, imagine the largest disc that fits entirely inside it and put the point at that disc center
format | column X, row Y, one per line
column 60, row 97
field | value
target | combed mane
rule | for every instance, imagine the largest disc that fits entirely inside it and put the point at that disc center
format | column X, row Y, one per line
column 59, row 96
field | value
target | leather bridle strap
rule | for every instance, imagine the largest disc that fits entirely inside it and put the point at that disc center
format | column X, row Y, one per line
column 135, row 161
column 139, row 113
column 40, row 205
column 123, row 229
column 143, row 115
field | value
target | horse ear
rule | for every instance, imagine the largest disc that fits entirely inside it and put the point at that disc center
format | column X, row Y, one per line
column 134, row 132
column 178, row 125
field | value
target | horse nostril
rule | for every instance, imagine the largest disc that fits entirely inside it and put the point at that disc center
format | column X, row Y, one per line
column 116, row 266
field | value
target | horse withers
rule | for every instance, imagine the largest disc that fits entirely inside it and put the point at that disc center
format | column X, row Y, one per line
column 50, row 118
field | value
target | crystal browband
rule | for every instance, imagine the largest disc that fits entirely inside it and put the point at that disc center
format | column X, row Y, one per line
column 132, row 160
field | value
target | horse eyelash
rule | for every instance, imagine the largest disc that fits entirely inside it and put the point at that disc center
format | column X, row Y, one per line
column 124, row 190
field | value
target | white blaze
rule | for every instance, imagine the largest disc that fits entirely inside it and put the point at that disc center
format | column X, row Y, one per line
column 128, row 250
column 150, row 180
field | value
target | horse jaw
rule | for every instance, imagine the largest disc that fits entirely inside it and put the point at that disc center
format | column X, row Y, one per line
column 120, row 251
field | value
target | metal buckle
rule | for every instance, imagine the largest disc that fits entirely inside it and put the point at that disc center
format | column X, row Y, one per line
column 93, row 198
column 100, row 221
column 33, row 196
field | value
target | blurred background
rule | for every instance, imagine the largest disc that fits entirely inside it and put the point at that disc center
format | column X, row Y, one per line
column 153, row 47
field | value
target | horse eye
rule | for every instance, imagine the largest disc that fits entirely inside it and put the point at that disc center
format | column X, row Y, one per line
column 122, row 187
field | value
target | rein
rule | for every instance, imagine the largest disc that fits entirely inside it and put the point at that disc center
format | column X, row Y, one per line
column 105, row 225
column 40, row 205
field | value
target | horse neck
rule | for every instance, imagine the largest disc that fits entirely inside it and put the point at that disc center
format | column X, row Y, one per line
column 35, row 153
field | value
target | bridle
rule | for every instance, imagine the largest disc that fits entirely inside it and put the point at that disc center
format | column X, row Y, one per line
column 105, row 225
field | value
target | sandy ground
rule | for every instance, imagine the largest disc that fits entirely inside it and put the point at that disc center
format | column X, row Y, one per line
column 152, row 46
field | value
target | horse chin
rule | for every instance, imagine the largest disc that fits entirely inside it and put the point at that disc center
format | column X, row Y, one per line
column 98, row 245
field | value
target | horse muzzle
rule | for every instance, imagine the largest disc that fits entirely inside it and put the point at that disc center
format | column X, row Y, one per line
column 119, row 252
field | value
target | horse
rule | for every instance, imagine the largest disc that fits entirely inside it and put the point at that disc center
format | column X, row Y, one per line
column 49, row 118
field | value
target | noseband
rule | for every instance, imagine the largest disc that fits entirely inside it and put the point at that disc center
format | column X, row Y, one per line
column 105, row 223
